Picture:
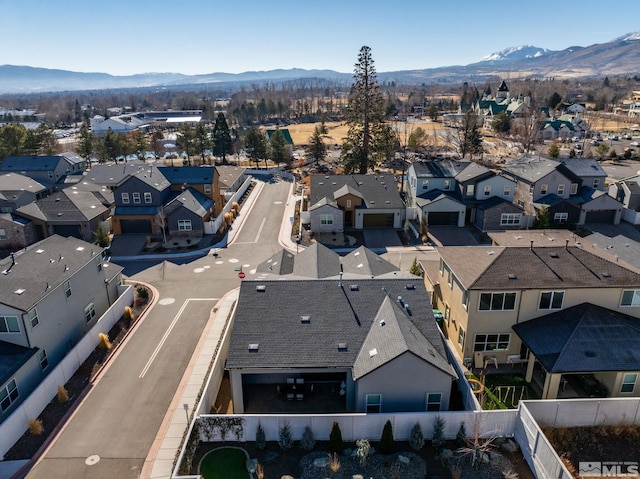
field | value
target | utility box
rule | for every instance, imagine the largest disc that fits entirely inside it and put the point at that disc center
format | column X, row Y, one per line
column 478, row 359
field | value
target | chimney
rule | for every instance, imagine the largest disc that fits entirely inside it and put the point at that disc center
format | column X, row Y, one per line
column 566, row 245
column 531, row 247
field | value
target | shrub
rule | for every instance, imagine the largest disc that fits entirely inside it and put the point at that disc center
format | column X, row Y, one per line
column 386, row 441
column 416, row 441
column 438, row 433
column 142, row 292
column 63, row 395
column 128, row 313
column 259, row 471
column 334, row 462
column 261, row 440
column 335, row 438
column 363, row 450
column 461, row 436
column 104, row 341
column 285, row 442
column 35, row 427
column 307, row 442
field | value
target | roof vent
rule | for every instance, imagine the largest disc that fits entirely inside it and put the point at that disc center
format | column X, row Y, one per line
column 491, row 252
column 39, row 251
column 554, row 255
column 19, row 291
column 606, row 275
column 354, row 287
column 387, row 202
column 382, row 323
column 261, row 288
column 305, row 319
column 342, row 347
column 512, row 276
column 373, row 352
column 410, row 286
column 254, row 347
column 356, row 253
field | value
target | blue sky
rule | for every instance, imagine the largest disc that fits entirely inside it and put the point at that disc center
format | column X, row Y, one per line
column 124, row 37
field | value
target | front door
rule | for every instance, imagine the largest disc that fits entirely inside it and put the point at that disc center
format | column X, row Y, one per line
column 348, row 219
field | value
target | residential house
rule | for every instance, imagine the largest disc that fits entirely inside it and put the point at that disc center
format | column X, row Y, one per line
column 374, row 340
column 110, row 175
column 47, row 170
column 119, row 124
column 288, row 141
column 489, row 106
column 16, row 232
column 627, row 192
column 202, row 179
column 52, row 293
column 563, row 127
column 339, row 202
column 230, row 179
column 186, row 213
column 70, row 212
column 17, row 190
column 485, row 292
column 634, row 104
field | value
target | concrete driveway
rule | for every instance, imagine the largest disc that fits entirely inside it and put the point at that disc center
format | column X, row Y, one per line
column 452, row 236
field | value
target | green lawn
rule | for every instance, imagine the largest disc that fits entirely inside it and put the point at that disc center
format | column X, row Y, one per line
column 224, row 463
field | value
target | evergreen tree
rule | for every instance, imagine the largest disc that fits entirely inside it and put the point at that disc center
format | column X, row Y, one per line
column 201, row 141
column 416, row 441
column 284, row 441
column 222, row 141
column 256, row 146
column 501, row 123
column 432, row 112
column 554, row 149
column 316, row 148
column 261, row 440
column 438, row 433
column 386, row 441
column 542, row 219
column 461, row 436
column 307, row 442
column 365, row 116
column 186, row 138
column 554, row 100
column 415, row 268
column 278, row 148
column 12, row 140
column 335, row 439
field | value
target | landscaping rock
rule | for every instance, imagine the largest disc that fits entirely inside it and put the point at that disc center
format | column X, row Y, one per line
column 357, row 476
column 286, row 476
column 321, row 462
column 403, row 459
column 446, row 454
column 511, row 446
column 251, row 465
column 484, row 458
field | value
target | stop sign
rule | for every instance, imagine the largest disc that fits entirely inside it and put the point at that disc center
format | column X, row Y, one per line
column 241, row 275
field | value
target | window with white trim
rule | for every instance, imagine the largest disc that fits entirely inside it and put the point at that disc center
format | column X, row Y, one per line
column 148, row 197
column 491, row 342
column 551, row 300
column 9, row 324
column 510, row 219
column 67, row 289
column 447, row 185
column 44, row 361
column 506, row 191
column 3, row 234
column 425, row 184
column 184, row 225
column 487, row 190
column 124, row 197
column 497, row 301
column 447, row 312
column 348, row 204
column 374, row 403
column 461, row 337
column 8, row 395
column 596, row 182
column 630, row 297
column 561, row 189
column 543, row 189
column 33, row 317
column 326, row 219
column 136, row 197
column 471, row 189
column 434, row 401
column 560, row 217
column 629, row 382
column 465, row 299
column 89, row 312
column 574, row 188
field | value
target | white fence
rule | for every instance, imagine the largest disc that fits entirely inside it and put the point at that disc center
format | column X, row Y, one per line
column 17, row 423
column 631, row 216
column 212, row 227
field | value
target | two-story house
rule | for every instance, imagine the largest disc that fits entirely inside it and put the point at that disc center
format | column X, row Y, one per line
column 47, row 170
column 51, row 294
column 487, row 293
column 627, row 192
column 17, row 190
column 202, row 179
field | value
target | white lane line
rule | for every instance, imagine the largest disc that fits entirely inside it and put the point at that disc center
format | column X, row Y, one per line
column 168, row 331
column 264, row 220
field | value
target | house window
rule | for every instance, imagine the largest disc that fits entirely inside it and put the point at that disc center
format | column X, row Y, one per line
column 348, row 204
column 8, row 395
column 560, row 189
column 447, row 185
column 629, row 298
column 551, row 300
column 9, row 324
column 425, row 184
column 487, row 190
column 125, row 198
column 506, row 191
column 207, row 189
column 447, row 312
column 461, row 336
column 433, row 401
column 6, row 209
column 560, row 217
column 531, row 189
column 136, row 197
column 67, row 289
column 50, row 174
column 510, row 219
column 441, row 268
column 374, row 403
column 42, row 357
column 543, row 189
column 596, row 182
column 89, row 312
column 471, row 190
column 629, row 382
column 497, row 301
column 574, row 188
column 3, row 234
column 148, row 198
column 450, row 278
column 491, row 342
column 184, row 225
column 33, row 317
column 465, row 299
column 326, row 219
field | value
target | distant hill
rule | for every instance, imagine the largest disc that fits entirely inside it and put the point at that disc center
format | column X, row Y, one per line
column 617, row 57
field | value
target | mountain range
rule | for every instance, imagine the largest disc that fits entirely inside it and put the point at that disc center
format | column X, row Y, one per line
column 620, row 56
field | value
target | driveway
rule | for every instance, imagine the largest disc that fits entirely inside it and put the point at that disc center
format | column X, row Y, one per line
column 380, row 238
column 452, row 236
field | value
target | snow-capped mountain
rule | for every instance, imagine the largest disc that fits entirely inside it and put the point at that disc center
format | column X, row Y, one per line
column 516, row 53
column 629, row 37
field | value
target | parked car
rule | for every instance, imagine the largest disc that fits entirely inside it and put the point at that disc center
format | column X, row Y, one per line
column 634, row 143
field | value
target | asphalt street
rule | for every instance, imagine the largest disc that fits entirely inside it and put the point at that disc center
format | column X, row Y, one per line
column 111, row 432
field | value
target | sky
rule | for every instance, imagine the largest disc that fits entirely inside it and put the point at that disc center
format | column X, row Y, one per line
column 124, row 37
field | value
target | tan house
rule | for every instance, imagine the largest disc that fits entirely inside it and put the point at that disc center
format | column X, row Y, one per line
column 486, row 293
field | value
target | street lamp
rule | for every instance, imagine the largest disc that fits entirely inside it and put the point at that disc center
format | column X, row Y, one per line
column 186, row 411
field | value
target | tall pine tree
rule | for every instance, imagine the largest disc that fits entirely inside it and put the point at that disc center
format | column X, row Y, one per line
column 222, row 141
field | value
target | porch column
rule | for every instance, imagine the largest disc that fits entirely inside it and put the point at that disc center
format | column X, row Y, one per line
column 532, row 362
column 236, row 392
column 552, row 383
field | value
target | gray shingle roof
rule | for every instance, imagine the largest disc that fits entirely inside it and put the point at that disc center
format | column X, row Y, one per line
column 191, row 175
column 316, row 261
column 366, row 262
column 15, row 182
column 377, row 191
column 583, row 338
column 583, row 167
column 272, row 319
column 229, row 174
column 112, row 174
column 530, row 168
column 192, row 200
column 439, row 168
column 66, row 205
